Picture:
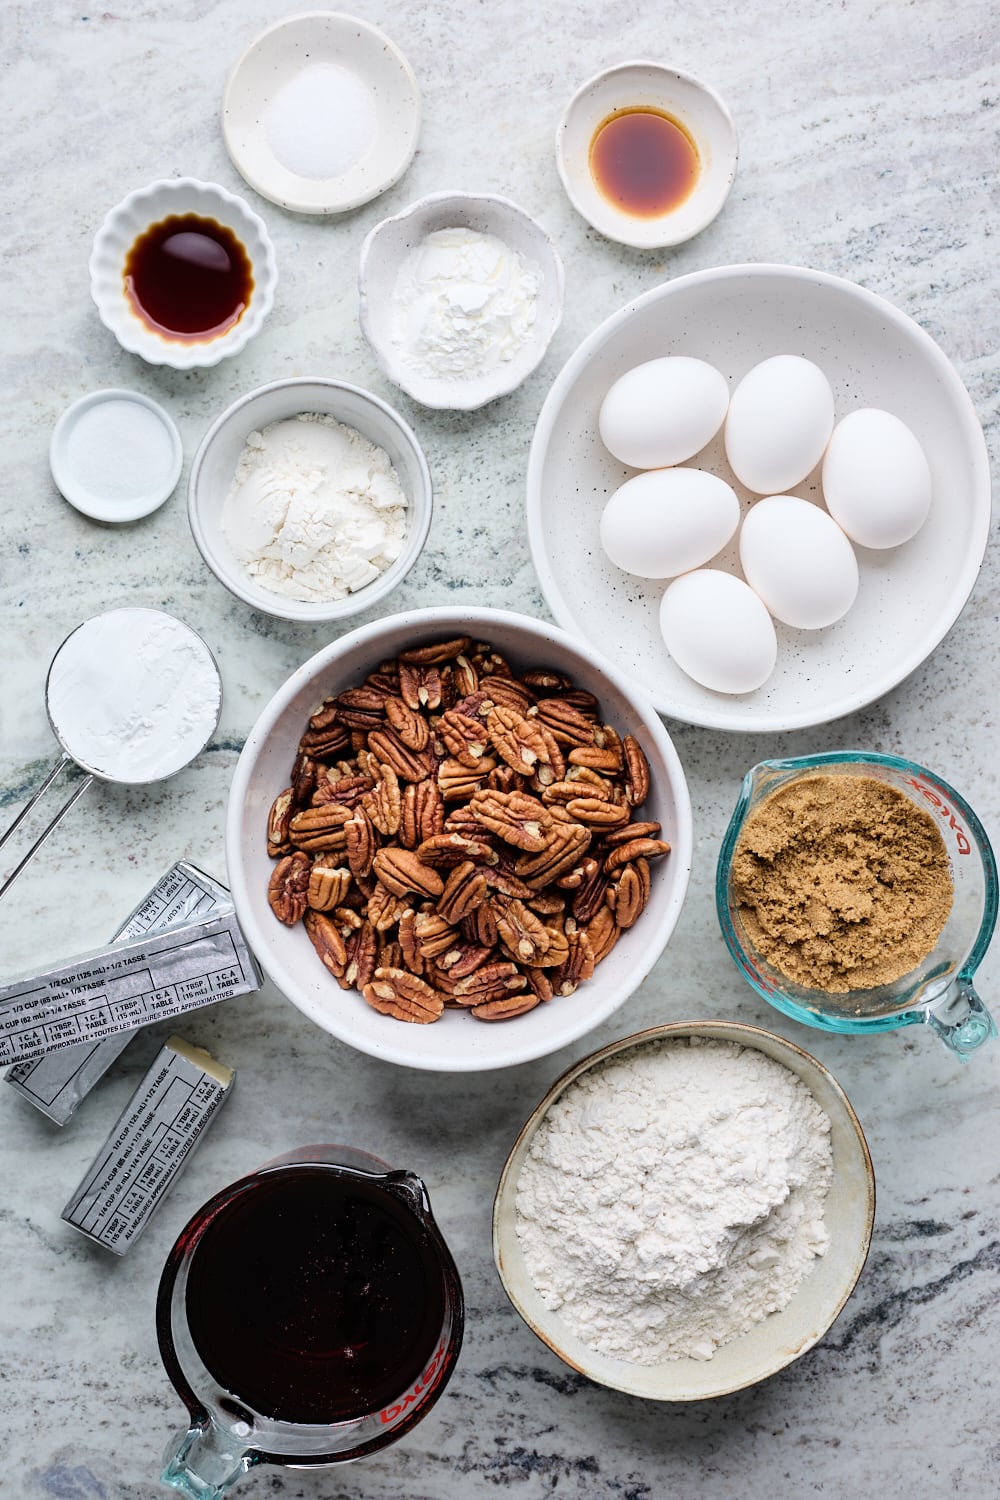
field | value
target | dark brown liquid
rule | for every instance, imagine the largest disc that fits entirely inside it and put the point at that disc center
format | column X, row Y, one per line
column 188, row 278
column 314, row 1298
column 644, row 162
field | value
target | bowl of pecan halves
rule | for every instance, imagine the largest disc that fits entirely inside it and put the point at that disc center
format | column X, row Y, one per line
column 452, row 819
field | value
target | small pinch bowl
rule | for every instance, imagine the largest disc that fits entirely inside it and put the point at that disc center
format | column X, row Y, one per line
column 457, row 1043
column 219, row 453
column 382, row 254
column 151, row 205
column 781, row 1337
column 685, row 99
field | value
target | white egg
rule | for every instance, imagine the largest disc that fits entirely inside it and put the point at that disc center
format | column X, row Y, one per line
column 876, row 479
column 780, row 420
column 718, row 631
column 663, row 412
column 799, row 561
column 668, row 521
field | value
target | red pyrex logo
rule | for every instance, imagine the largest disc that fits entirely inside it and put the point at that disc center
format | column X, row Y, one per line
column 430, row 1377
column 944, row 812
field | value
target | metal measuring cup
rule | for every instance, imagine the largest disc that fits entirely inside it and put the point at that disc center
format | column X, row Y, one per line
column 113, row 655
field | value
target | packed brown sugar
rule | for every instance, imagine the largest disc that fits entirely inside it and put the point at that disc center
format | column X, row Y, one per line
column 842, row 882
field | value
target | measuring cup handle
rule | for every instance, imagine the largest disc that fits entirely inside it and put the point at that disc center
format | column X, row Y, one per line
column 204, row 1462
column 961, row 1021
column 75, row 795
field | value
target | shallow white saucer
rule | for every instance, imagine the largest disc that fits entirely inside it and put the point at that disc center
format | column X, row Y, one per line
column 116, row 455
column 272, row 61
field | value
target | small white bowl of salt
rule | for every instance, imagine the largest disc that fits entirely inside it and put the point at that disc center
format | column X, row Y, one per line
column 321, row 113
column 460, row 296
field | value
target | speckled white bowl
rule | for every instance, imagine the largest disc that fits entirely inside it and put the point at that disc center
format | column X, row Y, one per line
column 693, row 105
column 457, row 1043
column 271, row 60
column 219, row 453
column 138, row 212
column 874, row 355
column 382, row 254
column 782, row 1337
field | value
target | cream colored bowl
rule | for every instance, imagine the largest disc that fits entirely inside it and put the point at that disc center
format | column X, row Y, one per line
column 780, row 1338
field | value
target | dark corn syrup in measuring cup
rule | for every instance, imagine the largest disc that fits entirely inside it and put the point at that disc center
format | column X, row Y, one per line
column 188, row 278
column 315, row 1299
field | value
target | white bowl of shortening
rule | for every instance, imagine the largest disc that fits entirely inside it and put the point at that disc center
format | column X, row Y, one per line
column 460, row 296
column 294, row 536
column 573, row 1221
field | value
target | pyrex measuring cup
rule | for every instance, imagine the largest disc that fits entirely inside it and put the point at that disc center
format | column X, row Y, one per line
column 940, row 991
column 132, row 695
column 308, row 1314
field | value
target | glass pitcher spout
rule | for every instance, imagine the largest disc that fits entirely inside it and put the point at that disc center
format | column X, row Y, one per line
column 204, row 1462
column 961, row 1021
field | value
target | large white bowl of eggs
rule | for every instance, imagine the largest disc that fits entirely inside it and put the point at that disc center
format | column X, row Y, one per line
column 763, row 492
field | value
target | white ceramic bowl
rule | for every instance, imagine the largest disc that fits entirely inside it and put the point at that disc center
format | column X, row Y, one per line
column 457, row 1042
column 104, row 422
column 139, row 212
column 273, row 61
column 384, row 251
column 874, row 355
column 780, row 1338
column 219, row 453
column 686, row 100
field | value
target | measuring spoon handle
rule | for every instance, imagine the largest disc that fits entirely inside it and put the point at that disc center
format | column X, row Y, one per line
column 75, row 795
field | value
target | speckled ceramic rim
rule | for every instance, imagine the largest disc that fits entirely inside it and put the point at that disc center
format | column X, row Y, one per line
column 616, row 1373
column 456, row 1043
column 82, row 499
column 332, row 394
column 487, row 213
column 322, row 36
column 738, row 714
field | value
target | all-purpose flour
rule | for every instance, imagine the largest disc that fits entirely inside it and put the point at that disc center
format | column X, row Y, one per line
column 673, row 1197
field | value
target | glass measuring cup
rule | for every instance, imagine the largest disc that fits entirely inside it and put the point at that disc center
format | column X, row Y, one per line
column 132, row 696
column 940, row 991
column 286, row 1324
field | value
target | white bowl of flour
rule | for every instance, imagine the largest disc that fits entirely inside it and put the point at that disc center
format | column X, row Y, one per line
column 687, row 1210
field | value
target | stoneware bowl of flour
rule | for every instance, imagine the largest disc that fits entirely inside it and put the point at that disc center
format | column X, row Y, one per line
column 310, row 499
column 687, row 1210
column 460, row 296
column 356, row 686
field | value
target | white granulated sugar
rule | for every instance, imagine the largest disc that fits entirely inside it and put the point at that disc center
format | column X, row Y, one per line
column 673, row 1197
column 315, row 511
column 322, row 121
column 463, row 304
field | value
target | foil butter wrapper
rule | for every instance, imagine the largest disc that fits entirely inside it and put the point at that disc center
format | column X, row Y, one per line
column 58, row 1082
column 148, row 1145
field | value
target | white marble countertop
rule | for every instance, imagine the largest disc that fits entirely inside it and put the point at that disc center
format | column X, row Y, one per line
column 868, row 149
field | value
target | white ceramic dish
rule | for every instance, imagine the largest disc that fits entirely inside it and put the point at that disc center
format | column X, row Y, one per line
column 874, row 355
column 457, row 1042
column 146, row 466
column 151, row 205
column 324, row 39
column 686, row 100
column 219, row 453
column 384, row 251
column 782, row 1337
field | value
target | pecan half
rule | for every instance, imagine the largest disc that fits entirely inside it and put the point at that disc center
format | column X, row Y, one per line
column 616, row 836
column 319, row 828
column 402, row 871
column 517, row 739
column 567, row 844
column 602, row 933
column 629, row 894
column 519, row 819
column 577, row 966
column 362, row 950
column 523, row 936
column 325, row 937
column 597, row 812
column 383, row 803
column 409, row 765
column 328, row 885
column 278, row 820
column 566, row 723
column 288, row 887
column 636, row 772
column 634, row 849
column 361, row 842
column 505, row 1009
column 458, row 782
column 464, row 737
column 411, row 726
column 394, row 992
column 421, row 812
column 464, row 890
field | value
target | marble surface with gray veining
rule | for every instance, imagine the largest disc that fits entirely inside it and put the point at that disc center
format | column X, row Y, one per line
column 869, row 148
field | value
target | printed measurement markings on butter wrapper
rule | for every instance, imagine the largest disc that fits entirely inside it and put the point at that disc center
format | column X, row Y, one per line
column 58, row 1083
column 119, row 989
column 148, row 1145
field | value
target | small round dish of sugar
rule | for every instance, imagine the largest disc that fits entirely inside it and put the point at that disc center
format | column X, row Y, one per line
column 460, row 296
column 115, row 455
column 321, row 113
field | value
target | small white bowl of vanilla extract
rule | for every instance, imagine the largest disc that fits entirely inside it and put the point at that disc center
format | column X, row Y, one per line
column 183, row 273
column 647, row 154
